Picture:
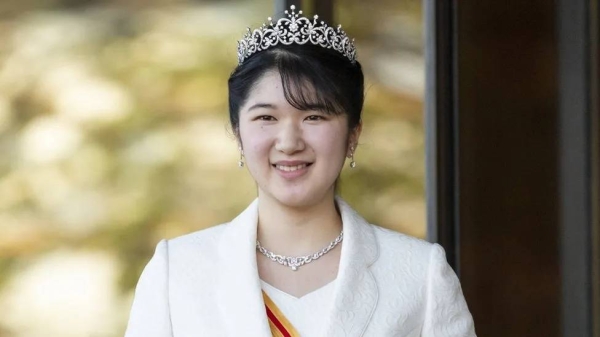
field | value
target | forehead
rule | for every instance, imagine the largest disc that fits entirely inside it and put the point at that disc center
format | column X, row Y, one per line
column 268, row 86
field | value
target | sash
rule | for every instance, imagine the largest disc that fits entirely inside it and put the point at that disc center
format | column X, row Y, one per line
column 280, row 326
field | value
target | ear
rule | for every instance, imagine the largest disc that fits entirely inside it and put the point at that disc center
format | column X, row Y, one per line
column 353, row 139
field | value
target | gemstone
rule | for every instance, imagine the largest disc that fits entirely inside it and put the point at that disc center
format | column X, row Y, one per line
column 294, row 268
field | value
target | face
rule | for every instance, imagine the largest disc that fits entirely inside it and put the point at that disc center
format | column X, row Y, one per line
column 294, row 156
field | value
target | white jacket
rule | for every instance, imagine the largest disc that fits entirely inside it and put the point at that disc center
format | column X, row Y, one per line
column 206, row 284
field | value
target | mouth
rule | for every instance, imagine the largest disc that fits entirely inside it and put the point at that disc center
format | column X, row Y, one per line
column 291, row 168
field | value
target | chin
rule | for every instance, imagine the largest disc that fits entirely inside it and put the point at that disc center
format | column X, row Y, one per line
column 294, row 201
column 298, row 199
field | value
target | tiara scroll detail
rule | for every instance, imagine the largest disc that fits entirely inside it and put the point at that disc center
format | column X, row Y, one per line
column 298, row 30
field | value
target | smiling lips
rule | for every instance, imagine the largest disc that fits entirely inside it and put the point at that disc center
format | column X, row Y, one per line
column 291, row 169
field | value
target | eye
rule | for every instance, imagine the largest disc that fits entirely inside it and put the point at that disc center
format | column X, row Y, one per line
column 265, row 118
column 315, row 118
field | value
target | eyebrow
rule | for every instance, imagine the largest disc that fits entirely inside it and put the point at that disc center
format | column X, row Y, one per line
column 274, row 107
column 261, row 105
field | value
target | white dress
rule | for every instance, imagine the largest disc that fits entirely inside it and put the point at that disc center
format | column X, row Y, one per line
column 206, row 284
column 308, row 313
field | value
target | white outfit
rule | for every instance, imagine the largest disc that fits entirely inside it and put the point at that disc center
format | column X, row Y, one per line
column 206, row 284
column 308, row 313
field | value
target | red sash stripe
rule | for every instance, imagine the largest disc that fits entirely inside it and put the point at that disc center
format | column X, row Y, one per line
column 280, row 326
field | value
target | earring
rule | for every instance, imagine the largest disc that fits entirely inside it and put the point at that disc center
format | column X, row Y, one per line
column 241, row 161
column 352, row 162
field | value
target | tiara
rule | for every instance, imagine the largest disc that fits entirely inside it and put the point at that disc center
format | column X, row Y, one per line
column 295, row 29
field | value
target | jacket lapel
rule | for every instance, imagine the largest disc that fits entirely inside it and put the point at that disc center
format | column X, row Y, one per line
column 239, row 295
column 356, row 294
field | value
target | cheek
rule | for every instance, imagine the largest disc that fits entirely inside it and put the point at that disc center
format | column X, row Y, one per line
column 256, row 142
column 330, row 142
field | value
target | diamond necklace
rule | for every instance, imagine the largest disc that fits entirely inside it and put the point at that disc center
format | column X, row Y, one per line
column 298, row 261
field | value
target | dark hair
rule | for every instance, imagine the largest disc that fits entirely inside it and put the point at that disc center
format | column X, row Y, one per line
column 313, row 78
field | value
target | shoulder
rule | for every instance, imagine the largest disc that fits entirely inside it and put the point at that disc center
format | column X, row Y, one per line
column 404, row 251
column 196, row 247
column 206, row 236
column 389, row 243
column 392, row 242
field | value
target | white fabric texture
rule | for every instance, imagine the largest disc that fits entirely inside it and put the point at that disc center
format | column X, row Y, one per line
column 308, row 313
column 206, row 284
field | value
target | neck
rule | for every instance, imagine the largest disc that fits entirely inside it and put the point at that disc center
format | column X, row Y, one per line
column 295, row 231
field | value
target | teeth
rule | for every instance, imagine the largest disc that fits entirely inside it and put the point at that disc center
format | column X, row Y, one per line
column 290, row 168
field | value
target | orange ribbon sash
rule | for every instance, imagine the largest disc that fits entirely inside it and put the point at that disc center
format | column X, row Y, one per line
column 280, row 326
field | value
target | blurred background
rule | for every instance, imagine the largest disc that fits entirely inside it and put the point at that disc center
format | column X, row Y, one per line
column 114, row 134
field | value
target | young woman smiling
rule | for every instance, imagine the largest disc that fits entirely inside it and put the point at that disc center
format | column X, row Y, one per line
column 299, row 261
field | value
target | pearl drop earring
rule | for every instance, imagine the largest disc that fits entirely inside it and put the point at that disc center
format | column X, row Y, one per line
column 241, row 161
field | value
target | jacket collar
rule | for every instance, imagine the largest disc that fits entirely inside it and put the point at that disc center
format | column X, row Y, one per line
column 239, row 292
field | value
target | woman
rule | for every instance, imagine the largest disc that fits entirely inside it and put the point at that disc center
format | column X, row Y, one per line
column 298, row 261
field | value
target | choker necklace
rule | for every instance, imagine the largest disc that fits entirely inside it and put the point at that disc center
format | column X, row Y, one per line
column 295, row 262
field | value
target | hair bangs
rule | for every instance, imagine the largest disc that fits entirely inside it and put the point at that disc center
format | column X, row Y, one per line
column 306, row 86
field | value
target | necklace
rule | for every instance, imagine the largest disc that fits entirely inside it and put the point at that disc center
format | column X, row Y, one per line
column 298, row 261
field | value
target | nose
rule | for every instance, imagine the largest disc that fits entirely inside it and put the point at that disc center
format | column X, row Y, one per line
column 289, row 138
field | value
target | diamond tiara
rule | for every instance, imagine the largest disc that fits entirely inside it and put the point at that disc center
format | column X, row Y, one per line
column 298, row 30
